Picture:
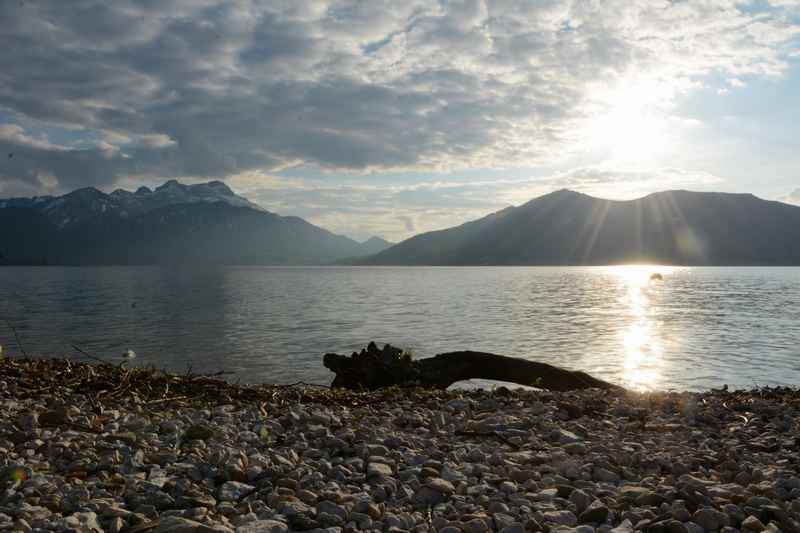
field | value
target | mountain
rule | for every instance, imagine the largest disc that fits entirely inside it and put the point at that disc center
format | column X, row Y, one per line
column 175, row 223
column 374, row 245
column 570, row 228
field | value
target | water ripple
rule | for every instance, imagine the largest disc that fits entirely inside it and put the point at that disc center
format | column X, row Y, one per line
column 697, row 328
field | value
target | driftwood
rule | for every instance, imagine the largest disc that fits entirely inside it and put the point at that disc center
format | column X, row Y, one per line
column 374, row 368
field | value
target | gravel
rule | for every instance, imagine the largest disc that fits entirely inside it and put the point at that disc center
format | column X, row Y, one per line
column 401, row 460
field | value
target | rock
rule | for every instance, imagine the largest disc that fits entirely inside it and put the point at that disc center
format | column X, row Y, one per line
column 681, row 514
column 734, row 513
column 435, row 491
column 564, row 518
column 116, row 525
column 694, row 527
column 177, row 524
column 562, row 436
column 198, row 432
column 752, row 524
column 396, row 466
column 650, row 498
column 545, row 495
column 426, row 496
column 602, row 474
column 440, row 485
column 476, row 525
column 232, row 491
column 498, row 507
column 503, row 520
column 630, row 493
column 379, row 470
column 332, row 508
column 709, row 519
column 674, row 526
column 624, row 527
column 575, row 448
column 596, row 513
column 330, row 520
column 580, row 499
column 508, row 487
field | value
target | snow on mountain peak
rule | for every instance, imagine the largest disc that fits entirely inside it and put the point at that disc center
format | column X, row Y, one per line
column 86, row 202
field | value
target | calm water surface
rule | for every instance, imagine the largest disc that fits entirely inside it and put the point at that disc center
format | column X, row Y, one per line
column 698, row 328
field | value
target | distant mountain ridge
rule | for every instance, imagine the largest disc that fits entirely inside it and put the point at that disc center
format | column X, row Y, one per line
column 174, row 223
column 76, row 206
column 570, row 228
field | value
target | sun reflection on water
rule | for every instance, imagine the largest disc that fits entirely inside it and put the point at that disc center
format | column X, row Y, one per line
column 643, row 364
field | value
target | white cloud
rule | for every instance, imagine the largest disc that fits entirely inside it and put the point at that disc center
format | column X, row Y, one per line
column 16, row 135
column 156, row 140
column 397, row 210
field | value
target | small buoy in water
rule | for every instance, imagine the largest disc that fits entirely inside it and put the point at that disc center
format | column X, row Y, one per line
column 129, row 354
column 656, row 276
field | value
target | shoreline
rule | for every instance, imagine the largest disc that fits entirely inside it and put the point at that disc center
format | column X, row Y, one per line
column 100, row 447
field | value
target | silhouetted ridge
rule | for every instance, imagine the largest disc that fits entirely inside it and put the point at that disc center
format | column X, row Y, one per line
column 566, row 227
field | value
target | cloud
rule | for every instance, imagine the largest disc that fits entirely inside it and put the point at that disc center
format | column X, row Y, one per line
column 791, row 198
column 397, row 210
column 218, row 88
column 14, row 134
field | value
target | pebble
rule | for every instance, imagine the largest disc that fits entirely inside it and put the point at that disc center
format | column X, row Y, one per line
column 709, row 519
column 597, row 513
column 379, row 470
column 564, row 518
column 400, row 465
column 476, row 525
column 751, row 523
column 234, row 490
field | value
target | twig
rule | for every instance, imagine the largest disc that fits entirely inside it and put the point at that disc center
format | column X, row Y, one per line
column 90, row 356
column 162, row 400
column 17, row 339
column 218, row 373
column 305, row 384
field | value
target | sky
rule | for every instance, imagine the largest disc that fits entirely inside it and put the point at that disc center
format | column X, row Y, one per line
column 389, row 118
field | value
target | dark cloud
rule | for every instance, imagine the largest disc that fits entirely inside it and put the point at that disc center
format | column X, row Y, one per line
column 237, row 85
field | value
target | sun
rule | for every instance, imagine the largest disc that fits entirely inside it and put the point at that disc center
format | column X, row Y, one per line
column 631, row 125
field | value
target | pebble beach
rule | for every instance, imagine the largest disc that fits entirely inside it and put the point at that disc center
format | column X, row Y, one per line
column 100, row 447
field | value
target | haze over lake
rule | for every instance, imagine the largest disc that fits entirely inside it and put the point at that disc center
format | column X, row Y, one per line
column 698, row 328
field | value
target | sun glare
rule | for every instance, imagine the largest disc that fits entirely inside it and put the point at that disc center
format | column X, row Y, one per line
column 632, row 128
column 643, row 362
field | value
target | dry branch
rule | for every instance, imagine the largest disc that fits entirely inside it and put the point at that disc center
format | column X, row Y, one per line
column 375, row 368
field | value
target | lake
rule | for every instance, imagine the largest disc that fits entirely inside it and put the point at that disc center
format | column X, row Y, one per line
column 697, row 328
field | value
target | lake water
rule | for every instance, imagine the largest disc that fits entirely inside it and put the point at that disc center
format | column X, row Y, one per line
column 695, row 329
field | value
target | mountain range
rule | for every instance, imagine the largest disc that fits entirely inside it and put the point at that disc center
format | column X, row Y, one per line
column 209, row 223
column 174, row 223
column 570, row 228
